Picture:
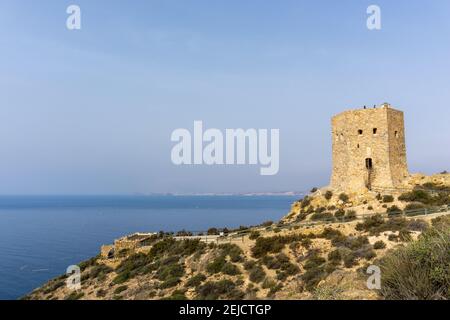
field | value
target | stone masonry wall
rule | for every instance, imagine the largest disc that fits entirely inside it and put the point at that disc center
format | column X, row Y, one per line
column 376, row 134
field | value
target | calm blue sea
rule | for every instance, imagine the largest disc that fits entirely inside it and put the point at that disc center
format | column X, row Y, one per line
column 41, row 236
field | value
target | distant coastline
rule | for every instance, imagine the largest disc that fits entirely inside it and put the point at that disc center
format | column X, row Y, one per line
column 228, row 194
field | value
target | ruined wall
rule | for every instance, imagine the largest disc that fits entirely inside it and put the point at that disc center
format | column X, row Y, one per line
column 124, row 244
column 376, row 134
column 106, row 250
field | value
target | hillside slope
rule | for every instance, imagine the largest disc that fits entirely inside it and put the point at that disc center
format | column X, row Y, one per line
column 317, row 262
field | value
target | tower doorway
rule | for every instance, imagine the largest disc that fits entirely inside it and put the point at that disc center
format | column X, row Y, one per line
column 369, row 167
column 369, row 164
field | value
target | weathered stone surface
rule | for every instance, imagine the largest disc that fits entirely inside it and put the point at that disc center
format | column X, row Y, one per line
column 368, row 149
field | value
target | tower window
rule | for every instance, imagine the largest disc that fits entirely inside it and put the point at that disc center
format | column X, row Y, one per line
column 369, row 164
column 357, row 145
column 360, row 132
column 396, row 134
column 375, row 130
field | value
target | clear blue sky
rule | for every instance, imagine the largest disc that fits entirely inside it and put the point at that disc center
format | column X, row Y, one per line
column 91, row 111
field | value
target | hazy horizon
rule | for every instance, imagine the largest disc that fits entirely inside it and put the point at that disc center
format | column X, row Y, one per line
column 91, row 112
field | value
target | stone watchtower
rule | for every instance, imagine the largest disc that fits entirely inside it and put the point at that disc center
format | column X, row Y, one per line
column 368, row 149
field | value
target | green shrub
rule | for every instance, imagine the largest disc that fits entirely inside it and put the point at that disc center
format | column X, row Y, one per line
column 427, row 198
column 267, row 224
column 350, row 215
column 393, row 237
column 419, row 271
column 306, row 243
column 388, row 198
column 394, row 211
column 328, row 195
column 266, row 245
column 75, row 295
column 121, row 278
column 315, row 272
column 224, row 289
column 305, row 202
column 314, row 261
column 327, row 292
column 268, row 283
column 120, row 289
column 331, row 266
column 196, row 280
column 441, row 222
column 370, row 223
column 365, row 252
column 54, row 285
column 314, row 190
column 216, row 265
column 395, row 223
column 169, row 282
column 301, row 217
column 330, row 234
column 167, row 271
column 379, row 245
column 350, row 242
column 176, row 295
column 343, row 197
column 324, row 216
column 417, row 225
column 213, row 231
column 250, row 264
column 404, row 235
column 101, row 293
column 335, row 256
column 416, row 196
column 281, row 275
column 257, row 274
column 254, row 235
column 339, row 214
column 274, row 290
column 230, row 269
column 271, row 263
column 233, row 251
column 88, row 263
column 281, row 261
column 321, row 209
column 99, row 270
column 349, row 259
column 290, row 269
column 132, row 265
column 184, row 233
column 171, row 247
column 414, row 206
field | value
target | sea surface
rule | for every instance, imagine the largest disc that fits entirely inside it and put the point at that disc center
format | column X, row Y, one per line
column 41, row 236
